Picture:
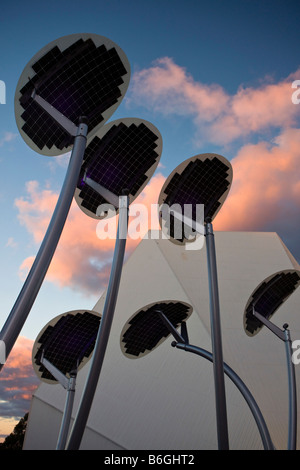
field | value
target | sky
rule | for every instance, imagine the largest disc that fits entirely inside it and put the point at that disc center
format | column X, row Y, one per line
column 212, row 76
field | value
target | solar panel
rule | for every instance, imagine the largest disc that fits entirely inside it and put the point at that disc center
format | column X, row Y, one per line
column 66, row 341
column 145, row 330
column 79, row 75
column 268, row 297
column 203, row 179
column 123, row 155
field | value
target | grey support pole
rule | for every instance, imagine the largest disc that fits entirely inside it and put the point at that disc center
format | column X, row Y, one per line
column 65, row 424
column 104, row 329
column 218, row 365
column 284, row 335
column 292, row 435
column 69, row 384
column 34, row 280
column 182, row 342
column 259, row 419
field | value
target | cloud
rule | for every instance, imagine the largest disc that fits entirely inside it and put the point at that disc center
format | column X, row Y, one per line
column 59, row 161
column 265, row 196
column 81, row 261
column 18, row 382
column 265, row 193
column 220, row 118
column 11, row 242
column 8, row 137
column 7, row 425
column 168, row 88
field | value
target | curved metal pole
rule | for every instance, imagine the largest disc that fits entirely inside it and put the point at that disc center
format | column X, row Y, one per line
column 104, row 330
column 34, row 280
column 284, row 335
column 261, row 424
column 292, row 435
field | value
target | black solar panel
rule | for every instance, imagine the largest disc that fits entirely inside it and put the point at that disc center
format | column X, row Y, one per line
column 123, row 158
column 204, row 179
column 146, row 330
column 268, row 297
column 67, row 342
column 82, row 80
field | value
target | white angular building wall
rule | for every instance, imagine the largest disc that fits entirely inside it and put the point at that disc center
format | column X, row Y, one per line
column 165, row 400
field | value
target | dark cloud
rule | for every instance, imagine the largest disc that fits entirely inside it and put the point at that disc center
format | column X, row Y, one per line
column 17, row 381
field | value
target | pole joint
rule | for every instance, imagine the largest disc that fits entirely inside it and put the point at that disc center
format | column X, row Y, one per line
column 209, row 227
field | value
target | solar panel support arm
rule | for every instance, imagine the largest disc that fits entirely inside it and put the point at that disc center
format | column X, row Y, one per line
column 274, row 328
column 108, row 195
column 184, row 332
column 194, row 225
column 57, row 374
column 62, row 120
column 170, row 327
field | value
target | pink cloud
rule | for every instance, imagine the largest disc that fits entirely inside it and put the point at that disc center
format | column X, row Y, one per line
column 220, row 118
column 18, row 380
column 253, row 110
column 20, row 357
column 266, row 184
column 81, row 259
column 168, row 88
column 265, row 192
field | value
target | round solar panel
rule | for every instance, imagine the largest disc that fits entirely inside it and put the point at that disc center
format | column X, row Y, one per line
column 268, row 297
column 67, row 341
column 79, row 75
column 203, row 179
column 122, row 156
column 145, row 330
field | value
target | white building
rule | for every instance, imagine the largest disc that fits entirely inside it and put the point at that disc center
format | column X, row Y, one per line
column 165, row 400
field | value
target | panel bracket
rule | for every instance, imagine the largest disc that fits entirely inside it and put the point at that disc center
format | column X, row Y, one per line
column 62, row 120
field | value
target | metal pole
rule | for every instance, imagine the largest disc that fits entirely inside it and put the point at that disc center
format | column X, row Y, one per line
column 259, row 419
column 221, row 412
column 284, row 335
column 31, row 287
column 104, row 329
column 183, row 343
column 65, row 424
column 292, row 435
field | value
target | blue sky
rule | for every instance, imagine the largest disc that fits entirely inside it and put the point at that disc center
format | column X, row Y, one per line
column 217, row 46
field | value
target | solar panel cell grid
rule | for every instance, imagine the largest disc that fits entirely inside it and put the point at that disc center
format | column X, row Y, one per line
column 268, row 297
column 68, row 342
column 202, row 182
column 82, row 80
column 146, row 329
column 119, row 160
column 205, row 179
